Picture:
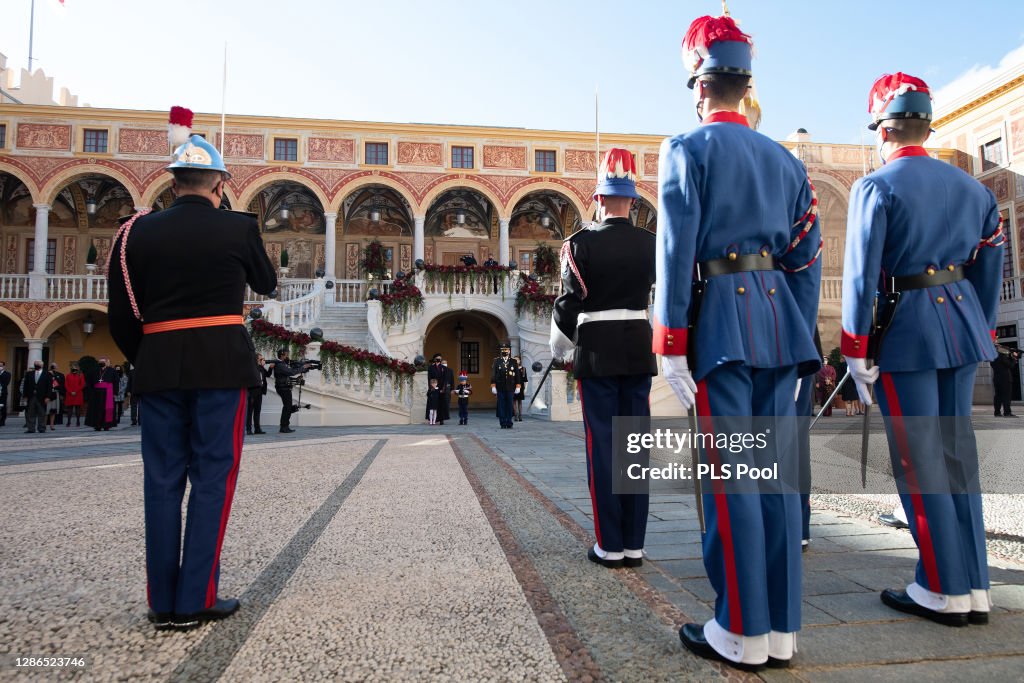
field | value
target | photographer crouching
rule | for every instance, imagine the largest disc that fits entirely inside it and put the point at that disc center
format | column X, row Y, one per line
column 286, row 376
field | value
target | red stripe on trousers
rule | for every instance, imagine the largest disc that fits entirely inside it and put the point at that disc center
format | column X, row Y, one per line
column 229, row 494
column 590, row 464
column 732, row 583
column 924, row 535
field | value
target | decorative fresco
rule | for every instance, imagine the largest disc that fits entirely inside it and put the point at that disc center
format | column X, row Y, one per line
column 504, row 156
column 460, row 213
column 644, row 215
column 331, row 149
column 543, row 215
column 142, row 141
column 377, row 212
column 15, row 202
column 304, row 213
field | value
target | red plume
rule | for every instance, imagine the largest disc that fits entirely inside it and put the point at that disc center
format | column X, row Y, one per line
column 889, row 86
column 180, row 116
column 705, row 31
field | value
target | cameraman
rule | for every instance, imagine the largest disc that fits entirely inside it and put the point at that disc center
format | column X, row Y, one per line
column 284, row 372
column 468, row 260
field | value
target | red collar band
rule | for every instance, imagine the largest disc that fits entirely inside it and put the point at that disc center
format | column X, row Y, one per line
column 726, row 117
column 908, row 151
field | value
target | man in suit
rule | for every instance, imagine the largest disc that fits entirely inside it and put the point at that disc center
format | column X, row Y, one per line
column 929, row 238
column 256, row 394
column 184, row 271
column 5, row 385
column 607, row 273
column 38, row 394
column 738, row 236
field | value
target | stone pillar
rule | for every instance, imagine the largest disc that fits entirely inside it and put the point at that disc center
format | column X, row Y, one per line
column 35, row 350
column 503, row 256
column 417, row 238
column 330, row 244
column 37, row 275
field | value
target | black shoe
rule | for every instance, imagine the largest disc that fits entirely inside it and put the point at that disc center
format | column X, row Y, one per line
column 287, row 430
column 161, row 620
column 899, row 600
column 249, row 432
column 259, row 431
column 692, row 636
column 632, row 562
column 221, row 610
column 611, row 564
column 893, row 521
column 774, row 663
column 1009, row 415
column 977, row 618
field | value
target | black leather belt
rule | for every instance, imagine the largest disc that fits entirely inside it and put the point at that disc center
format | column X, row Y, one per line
column 735, row 264
column 931, row 278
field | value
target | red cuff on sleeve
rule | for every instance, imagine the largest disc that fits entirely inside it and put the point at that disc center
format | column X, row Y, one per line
column 993, row 333
column 669, row 341
column 854, row 345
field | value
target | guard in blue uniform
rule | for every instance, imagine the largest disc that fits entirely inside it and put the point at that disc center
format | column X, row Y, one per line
column 177, row 283
column 607, row 274
column 925, row 239
column 738, row 246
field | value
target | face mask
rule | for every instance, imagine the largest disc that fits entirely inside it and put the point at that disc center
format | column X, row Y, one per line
column 504, row 354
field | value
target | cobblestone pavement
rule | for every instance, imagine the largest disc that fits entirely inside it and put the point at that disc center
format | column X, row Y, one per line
column 439, row 553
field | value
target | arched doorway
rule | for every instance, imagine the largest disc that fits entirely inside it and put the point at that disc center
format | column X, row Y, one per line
column 468, row 340
column 291, row 217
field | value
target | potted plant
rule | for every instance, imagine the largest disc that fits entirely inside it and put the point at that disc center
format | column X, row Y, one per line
column 284, row 263
column 90, row 260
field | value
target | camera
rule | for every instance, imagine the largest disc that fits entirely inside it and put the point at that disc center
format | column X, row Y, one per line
column 468, row 260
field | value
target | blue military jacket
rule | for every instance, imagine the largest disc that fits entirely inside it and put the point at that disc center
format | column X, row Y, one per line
column 726, row 189
column 914, row 214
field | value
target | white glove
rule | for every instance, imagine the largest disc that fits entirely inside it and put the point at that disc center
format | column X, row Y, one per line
column 863, row 376
column 796, row 394
column 494, row 390
column 561, row 346
column 677, row 374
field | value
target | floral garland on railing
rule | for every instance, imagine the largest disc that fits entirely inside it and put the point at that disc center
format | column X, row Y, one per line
column 400, row 303
column 374, row 261
column 337, row 360
column 268, row 338
column 532, row 299
column 467, row 278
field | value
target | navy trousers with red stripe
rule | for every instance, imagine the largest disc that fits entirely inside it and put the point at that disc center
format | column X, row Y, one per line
column 752, row 542
column 936, row 467
column 195, row 435
column 620, row 520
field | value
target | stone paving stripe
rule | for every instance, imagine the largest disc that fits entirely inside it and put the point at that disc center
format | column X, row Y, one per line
column 552, row 620
column 209, row 658
column 668, row 611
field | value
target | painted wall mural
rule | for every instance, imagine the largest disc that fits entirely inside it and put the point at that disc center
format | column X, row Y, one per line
column 304, row 213
column 377, row 212
column 460, row 213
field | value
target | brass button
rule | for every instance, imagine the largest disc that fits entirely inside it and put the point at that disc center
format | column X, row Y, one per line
column 951, row 267
column 856, row 342
column 771, row 292
column 930, row 271
column 669, row 337
column 668, row 343
column 940, row 300
column 959, row 297
column 764, row 252
column 732, row 256
column 741, row 290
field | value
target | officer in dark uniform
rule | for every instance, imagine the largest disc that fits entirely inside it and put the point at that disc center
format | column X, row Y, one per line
column 607, row 274
column 177, row 282
column 1003, row 368
column 505, row 383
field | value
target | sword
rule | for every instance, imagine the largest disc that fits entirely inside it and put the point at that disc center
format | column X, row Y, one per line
column 541, row 385
column 694, row 463
column 864, row 433
column 830, row 398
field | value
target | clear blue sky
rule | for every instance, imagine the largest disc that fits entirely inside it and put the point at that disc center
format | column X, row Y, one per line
column 527, row 63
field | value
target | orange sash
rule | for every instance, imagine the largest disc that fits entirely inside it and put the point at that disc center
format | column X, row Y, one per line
column 192, row 323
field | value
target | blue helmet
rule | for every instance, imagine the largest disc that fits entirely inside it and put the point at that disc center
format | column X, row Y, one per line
column 199, row 154
column 899, row 96
column 716, row 45
column 617, row 177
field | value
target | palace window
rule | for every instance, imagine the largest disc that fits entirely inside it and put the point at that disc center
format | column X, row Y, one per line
column 462, row 157
column 1008, row 250
column 3, row 135
column 544, row 160
column 993, row 154
column 51, row 256
column 377, row 153
column 286, row 149
column 469, row 358
column 94, row 141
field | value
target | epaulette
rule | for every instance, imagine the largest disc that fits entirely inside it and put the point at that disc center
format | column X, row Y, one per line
column 577, row 233
column 124, row 219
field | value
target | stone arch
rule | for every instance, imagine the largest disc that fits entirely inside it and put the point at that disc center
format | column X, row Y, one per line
column 528, row 188
column 246, row 196
column 18, row 322
column 467, row 183
column 363, row 181
column 24, row 177
column 58, row 182
column 63, row 316
column 158, row 187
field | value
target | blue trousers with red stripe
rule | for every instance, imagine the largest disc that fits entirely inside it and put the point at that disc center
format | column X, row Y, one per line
column 752, row 542
column 620, row 520
column 195, row 434
column 936, row 466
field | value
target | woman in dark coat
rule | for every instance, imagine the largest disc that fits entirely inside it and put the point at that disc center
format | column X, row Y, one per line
column 849, row 393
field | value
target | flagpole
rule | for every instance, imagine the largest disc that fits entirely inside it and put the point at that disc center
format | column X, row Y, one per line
column 223, row 100
column 597, row 134
column 31, row 31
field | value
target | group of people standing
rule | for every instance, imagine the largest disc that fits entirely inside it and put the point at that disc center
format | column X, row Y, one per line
column 49, row 397
column 737, row 272
column 508, row 385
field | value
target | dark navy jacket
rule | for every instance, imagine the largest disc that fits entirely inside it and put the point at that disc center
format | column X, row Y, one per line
column 913, row 214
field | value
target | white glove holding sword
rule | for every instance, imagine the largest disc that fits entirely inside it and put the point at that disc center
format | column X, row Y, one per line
column 863, row 377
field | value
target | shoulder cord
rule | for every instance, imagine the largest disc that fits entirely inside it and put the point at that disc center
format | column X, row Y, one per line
column 568, row 260
column 807, row 220
column 122, row 235
column 996, row 239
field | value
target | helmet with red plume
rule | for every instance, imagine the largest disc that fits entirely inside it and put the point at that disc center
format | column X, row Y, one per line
column 716, row 45
column 617, row 177
column 899, row 96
